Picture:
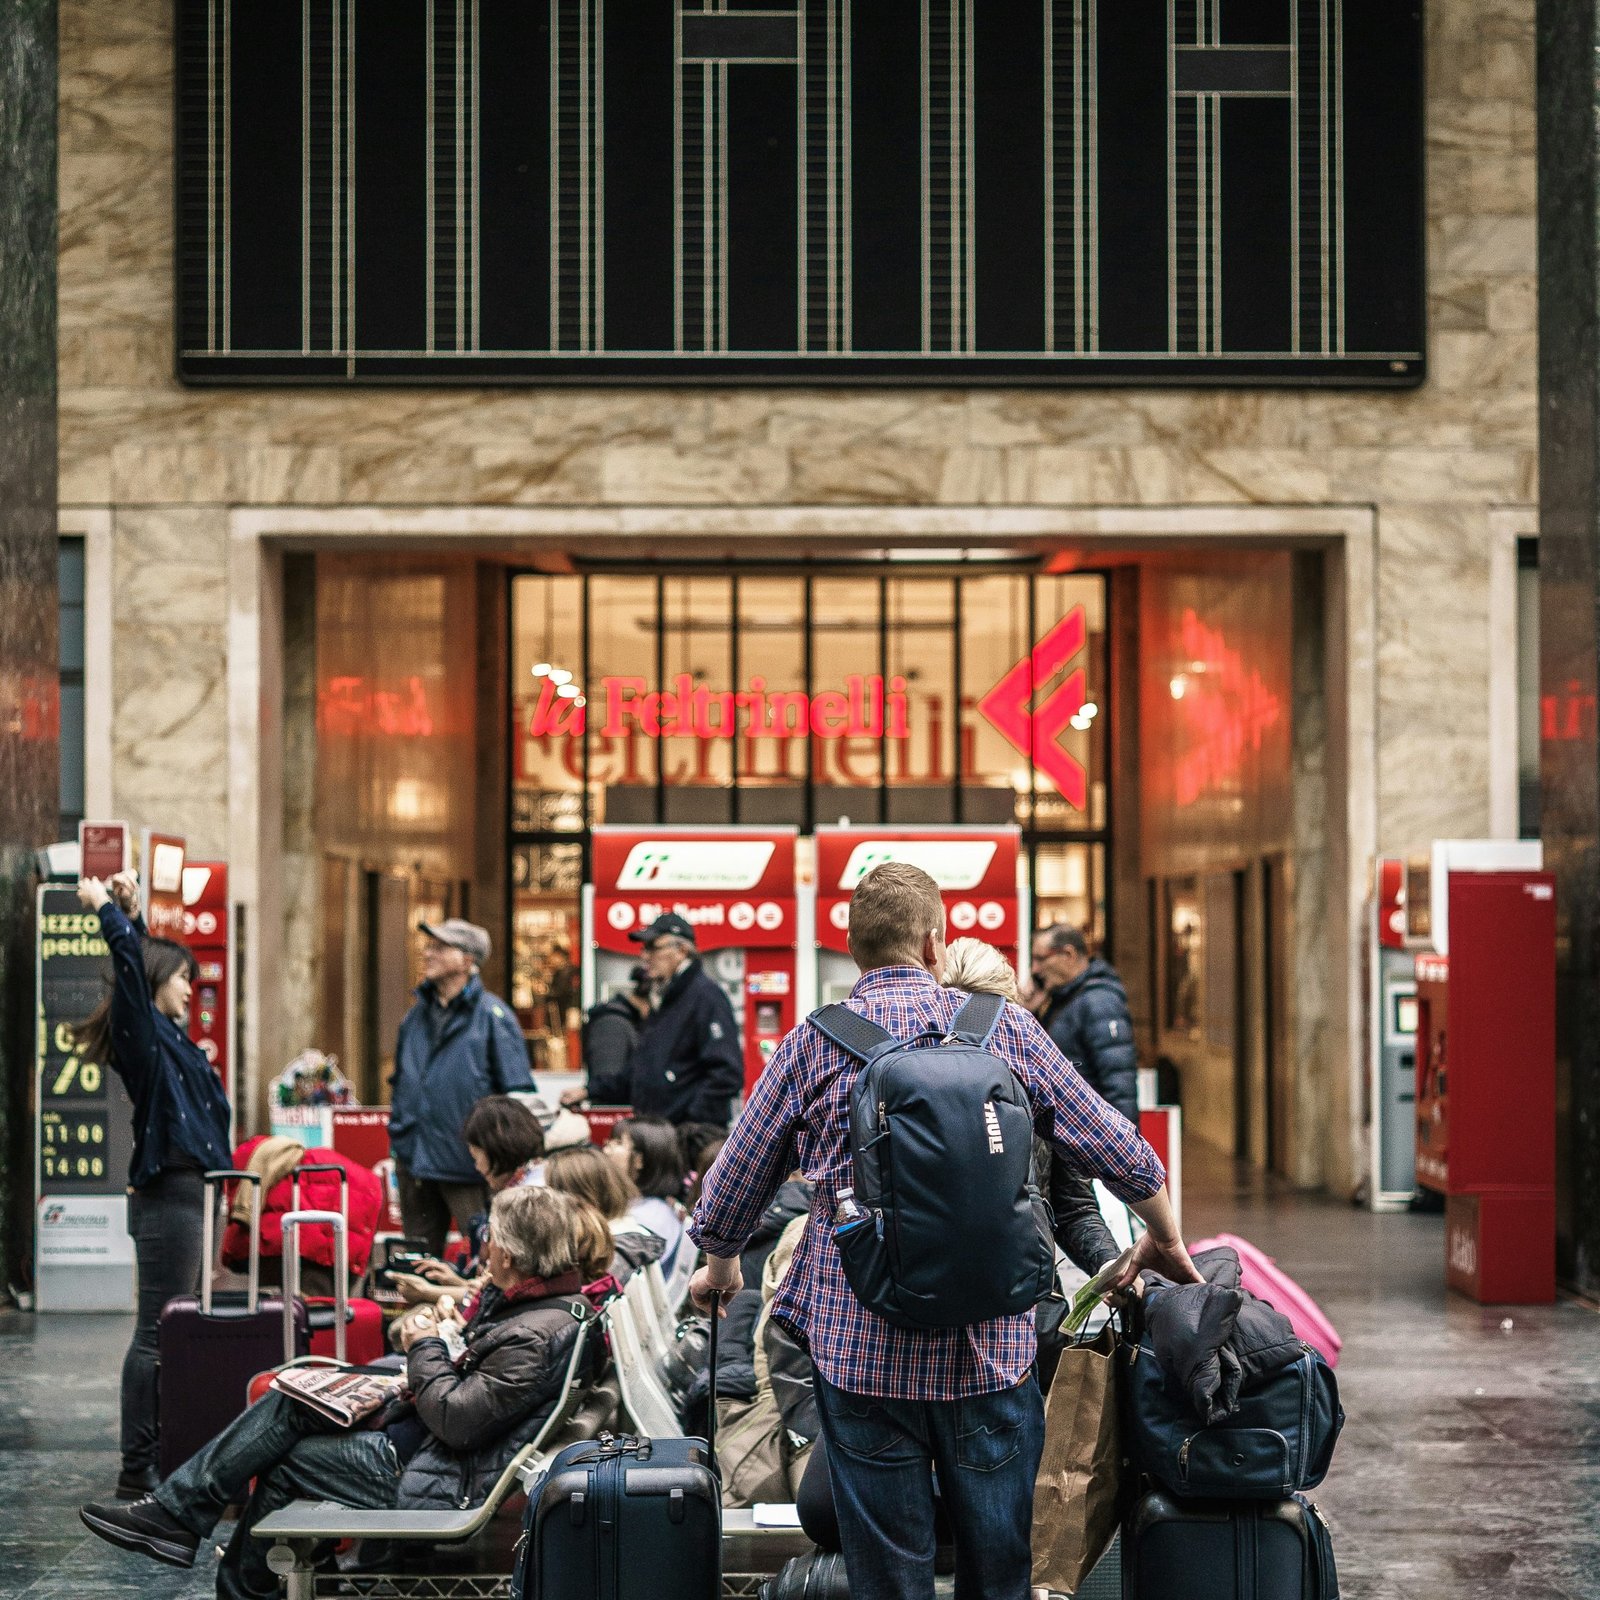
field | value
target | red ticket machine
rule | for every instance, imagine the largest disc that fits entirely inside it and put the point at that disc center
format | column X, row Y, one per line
column 975, row 868
column 1486, row 1113
column 734, row 886
column 205, row 931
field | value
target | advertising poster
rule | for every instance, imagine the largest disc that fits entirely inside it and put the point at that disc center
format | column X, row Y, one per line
column 83, row 1123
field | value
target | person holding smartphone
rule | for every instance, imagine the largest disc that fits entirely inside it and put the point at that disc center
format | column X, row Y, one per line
column 181, row 1127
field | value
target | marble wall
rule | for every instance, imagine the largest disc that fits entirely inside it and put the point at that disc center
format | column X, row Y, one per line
column 29, row 602
column 1436, row 463
column 1569, row 573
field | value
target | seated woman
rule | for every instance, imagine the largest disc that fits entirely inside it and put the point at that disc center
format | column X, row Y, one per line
column 585, row 1173
column 646, row 1149
column 506, row 1143
column 441, row 1446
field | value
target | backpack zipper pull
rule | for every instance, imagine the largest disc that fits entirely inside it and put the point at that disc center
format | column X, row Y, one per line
column 883, row 1115
column 1183, row 1458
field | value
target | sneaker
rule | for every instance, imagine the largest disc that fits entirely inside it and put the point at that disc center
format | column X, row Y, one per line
column 134, row 1483
column 144, row 1526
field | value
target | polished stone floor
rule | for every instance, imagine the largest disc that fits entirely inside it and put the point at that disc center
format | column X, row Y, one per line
column 1470, row 1465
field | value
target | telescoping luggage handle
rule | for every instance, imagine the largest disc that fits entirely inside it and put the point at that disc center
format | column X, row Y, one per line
column 292, row 1221
column 208, row 1235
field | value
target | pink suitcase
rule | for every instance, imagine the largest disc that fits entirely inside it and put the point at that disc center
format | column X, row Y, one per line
column 1266, row 1280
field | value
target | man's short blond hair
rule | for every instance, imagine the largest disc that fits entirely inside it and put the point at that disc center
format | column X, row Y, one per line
column 892, row 912
column 979, row 968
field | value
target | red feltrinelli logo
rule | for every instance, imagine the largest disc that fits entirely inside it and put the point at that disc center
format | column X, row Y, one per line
column 1036, row 734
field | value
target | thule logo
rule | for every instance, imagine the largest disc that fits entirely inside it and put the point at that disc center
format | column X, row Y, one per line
column 991, row 1126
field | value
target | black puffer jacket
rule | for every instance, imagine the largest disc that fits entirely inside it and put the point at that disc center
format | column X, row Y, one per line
column 1080, row 1229
column 1213, row 1338
column 480, row 1410
column 1088, row 1019
column 610, row 1032
column 687, row 1065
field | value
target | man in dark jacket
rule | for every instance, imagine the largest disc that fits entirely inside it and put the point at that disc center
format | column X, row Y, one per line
column 687, row 1065
column 440, row 1448
column 1084, row 1008
column 457, row 1044
column 611, row 1030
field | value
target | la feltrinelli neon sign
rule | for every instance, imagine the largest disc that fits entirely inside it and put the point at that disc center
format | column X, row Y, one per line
column 866, row 708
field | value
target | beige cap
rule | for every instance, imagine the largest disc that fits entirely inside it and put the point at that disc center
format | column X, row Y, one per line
column 460, row 935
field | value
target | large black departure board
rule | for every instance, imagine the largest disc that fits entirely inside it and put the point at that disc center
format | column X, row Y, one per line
column 907, row 191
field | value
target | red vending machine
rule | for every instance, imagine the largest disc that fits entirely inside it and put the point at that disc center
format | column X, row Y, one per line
column 734, row 886
column 1486, row 1116
column 205, row 931
column 975, row 868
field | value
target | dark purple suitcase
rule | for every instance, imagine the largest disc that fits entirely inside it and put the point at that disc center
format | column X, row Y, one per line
column 211, row 1346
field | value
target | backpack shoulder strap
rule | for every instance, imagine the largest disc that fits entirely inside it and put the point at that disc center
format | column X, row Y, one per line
column 976, row 1021
column 853, row 1034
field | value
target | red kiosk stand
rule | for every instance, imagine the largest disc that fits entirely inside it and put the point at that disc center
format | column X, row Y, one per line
column 734, row 886
column 1486, row 1111
column 975, row 868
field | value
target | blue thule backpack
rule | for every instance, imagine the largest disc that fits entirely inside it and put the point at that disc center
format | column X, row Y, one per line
column 941, row 1145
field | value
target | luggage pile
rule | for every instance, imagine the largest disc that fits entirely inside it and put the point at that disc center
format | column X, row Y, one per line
column 1230, row 1417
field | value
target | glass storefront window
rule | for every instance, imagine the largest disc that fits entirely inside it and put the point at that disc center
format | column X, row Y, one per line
column 847, row 772
column 995, row 624
column 547, row 746
column 771, row 636
column 697, row 673
column 546, row 881
column 919, row 638
column 875, row 694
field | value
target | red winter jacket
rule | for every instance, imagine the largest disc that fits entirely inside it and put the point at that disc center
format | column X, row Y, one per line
column 319, row 1191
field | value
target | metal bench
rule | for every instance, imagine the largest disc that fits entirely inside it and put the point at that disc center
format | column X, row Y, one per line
column 302, row 1527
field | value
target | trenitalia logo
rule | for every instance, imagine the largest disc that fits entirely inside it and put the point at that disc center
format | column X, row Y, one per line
column 953, row 864
column 1037, row 733
column 701, row 864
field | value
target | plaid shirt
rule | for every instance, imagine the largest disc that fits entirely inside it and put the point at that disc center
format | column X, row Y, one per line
column 801, row 1101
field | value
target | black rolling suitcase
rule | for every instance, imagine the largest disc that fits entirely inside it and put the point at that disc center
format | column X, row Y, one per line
column 1233, row 1550
column 211, row 1346
column 626, row 1519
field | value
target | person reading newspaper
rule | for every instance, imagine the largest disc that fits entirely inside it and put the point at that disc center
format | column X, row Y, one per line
column 451, row 1433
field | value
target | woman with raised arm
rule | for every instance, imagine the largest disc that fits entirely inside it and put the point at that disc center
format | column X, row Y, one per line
column 180, row 1131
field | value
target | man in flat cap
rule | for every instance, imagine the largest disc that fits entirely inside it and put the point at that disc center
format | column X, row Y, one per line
column 687, row 1065
column 457, row 1044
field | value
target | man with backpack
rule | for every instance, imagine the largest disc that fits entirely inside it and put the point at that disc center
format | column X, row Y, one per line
column 914, row 1281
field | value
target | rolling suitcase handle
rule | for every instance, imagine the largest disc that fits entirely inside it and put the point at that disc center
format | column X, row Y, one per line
column 711, row 1396
column 291, row 1276
column 208, row 1235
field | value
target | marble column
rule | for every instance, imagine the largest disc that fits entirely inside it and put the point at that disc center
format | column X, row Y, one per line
column 1569, row 596
column 29, row 701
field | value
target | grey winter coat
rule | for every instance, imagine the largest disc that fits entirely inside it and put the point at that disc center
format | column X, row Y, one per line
column 1088, row 1019
column 480, row 1410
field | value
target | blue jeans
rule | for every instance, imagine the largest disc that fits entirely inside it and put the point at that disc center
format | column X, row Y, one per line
column 292, row 1453
column 883, row 1454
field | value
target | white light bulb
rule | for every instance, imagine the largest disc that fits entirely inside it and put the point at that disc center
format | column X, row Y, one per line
column 560, row 675
column 580, row 701
column 569, row 691
column 1089, row 710
column 541, row 669
column 1178, row 685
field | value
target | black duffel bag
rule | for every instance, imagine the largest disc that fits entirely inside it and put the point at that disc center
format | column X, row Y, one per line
column 817, row 1575
column 1279, row 1439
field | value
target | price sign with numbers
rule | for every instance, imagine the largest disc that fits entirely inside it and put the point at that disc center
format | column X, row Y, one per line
column 72, row 1146
column 85, row 1120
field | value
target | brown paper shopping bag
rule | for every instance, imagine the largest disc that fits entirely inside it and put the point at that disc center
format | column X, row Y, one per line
column 1078, row 1497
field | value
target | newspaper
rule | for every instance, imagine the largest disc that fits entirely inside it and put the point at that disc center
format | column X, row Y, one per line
column 340, row 1394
